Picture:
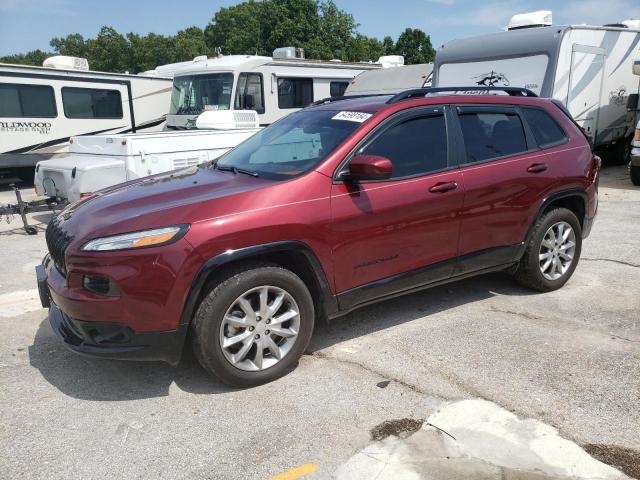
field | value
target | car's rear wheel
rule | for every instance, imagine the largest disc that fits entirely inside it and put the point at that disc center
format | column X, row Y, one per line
column 253, row 326
column 552, row 251
column 634, row 172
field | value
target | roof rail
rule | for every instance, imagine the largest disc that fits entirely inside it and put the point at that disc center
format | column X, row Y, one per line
column 421, row 92
column 345, row 97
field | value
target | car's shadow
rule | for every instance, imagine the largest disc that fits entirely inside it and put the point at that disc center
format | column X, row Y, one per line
column 110, row 380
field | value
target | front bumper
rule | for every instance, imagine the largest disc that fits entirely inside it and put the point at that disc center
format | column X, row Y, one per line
column 110, row 340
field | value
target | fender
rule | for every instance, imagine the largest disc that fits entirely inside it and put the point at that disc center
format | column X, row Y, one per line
column 552, row 197
column 328, row 307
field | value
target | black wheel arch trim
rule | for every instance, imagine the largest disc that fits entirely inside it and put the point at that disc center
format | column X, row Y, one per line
column 328, row 305
column 555, row 196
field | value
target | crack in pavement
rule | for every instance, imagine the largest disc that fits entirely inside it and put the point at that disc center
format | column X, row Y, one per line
column 620, row 262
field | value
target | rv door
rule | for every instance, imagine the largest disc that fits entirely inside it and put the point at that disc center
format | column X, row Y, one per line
column 585, row 86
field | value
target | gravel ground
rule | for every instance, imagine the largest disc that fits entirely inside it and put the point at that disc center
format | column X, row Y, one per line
column 570, row 359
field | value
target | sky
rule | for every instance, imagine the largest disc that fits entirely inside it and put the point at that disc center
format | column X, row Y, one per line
column 30, row 24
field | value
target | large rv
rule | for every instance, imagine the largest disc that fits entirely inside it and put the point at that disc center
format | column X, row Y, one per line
column 42, row 107
column 587, row 68
column 272, row 86
column 227, row 98
column 391, row 80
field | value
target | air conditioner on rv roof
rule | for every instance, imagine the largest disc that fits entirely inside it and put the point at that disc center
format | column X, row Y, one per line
column 63, row 62
column 540, row 18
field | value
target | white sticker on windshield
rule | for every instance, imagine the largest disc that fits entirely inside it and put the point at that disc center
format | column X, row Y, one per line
column 352, row 116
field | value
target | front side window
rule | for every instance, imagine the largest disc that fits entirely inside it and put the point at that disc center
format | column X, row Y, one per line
column 291, row 146
column 249, row 93
column 416, row 146
column 545, row 129
column 27, row 101
column 91, row 103
column 193, row 94
column 295, row 92
column 337, row 89
column 490, row 135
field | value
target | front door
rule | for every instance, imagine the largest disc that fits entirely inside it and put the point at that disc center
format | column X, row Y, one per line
column 385, row 232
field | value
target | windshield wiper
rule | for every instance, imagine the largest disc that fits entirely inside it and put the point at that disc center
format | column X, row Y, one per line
column 236, row 170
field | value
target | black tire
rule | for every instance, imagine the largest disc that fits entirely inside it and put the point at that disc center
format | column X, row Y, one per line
column 207, row 322
column 621, row 153
column 634, row 173
column 528, row 273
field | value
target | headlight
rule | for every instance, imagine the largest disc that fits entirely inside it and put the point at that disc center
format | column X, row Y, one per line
column 145, row 238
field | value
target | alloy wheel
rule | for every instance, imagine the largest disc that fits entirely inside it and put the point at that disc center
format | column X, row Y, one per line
column 259, row 328
column 557, row 250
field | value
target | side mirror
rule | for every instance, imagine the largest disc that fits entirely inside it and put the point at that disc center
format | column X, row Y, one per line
column 632, row 102
column 368, row 167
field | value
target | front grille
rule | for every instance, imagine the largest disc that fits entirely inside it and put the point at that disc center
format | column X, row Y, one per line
column 57, row 242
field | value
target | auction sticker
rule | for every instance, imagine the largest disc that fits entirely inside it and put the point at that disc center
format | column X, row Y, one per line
column 352, row 116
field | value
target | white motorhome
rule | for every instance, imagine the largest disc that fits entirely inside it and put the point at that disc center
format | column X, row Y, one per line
column 42, row 107
column 221, row 95
column 272, row 86
column 587, row 68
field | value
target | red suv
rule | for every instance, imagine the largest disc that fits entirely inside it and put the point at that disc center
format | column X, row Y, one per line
column 345, row 203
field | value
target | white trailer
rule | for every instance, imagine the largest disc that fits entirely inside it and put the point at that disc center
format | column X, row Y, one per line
column 229, row 96
column 42, row 107
column 99, row 161
column 587, row 68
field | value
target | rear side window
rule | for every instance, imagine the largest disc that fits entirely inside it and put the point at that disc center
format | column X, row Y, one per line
column 295, row 92
column 545, row 129
column 490, row 135
column 416, row 146
column 27, row 101
column 337, row 89
column 91, row 103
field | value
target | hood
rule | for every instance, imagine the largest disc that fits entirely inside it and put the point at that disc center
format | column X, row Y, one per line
column 182, row 196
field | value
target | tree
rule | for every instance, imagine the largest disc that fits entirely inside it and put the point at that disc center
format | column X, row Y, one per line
column 237, row 29
column 415, row 46
column 109, row 52
column 188, row 44
column 388, row 46
column 73, row 45
column 34, row 57
column 362, row 48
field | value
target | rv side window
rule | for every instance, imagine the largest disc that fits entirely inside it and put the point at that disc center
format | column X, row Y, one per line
column 295, row 92
column 31, row 101
column 490, row 135
column 91, row 103
column 249, row 93
column 337, row 89
column 545, row 129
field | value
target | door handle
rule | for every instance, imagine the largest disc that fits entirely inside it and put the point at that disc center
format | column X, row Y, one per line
column 537, row 167
column 442, row 187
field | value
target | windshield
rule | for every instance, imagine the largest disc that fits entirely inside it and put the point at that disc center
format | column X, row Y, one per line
column 194, row 94
column 295, row 144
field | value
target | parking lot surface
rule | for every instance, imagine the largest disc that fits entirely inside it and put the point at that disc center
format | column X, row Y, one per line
column 566, row 361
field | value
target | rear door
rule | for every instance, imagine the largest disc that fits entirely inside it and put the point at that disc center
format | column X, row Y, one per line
column 381, row 229
column 505, row 176
column 585, row 86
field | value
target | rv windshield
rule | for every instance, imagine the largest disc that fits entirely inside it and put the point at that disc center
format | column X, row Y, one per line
column 194, row 94
column 293, row 145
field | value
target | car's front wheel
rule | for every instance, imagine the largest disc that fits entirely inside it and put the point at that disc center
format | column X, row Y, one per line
column 253, row 326
column 552, row 251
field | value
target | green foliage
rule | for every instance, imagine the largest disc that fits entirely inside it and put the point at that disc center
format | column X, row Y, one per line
column 416, row 47
column 35, row 57
column 252, row 27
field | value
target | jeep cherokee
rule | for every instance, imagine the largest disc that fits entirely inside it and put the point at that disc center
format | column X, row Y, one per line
column 345, row 203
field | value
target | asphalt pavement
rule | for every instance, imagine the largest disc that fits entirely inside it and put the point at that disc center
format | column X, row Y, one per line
column 564, row 365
